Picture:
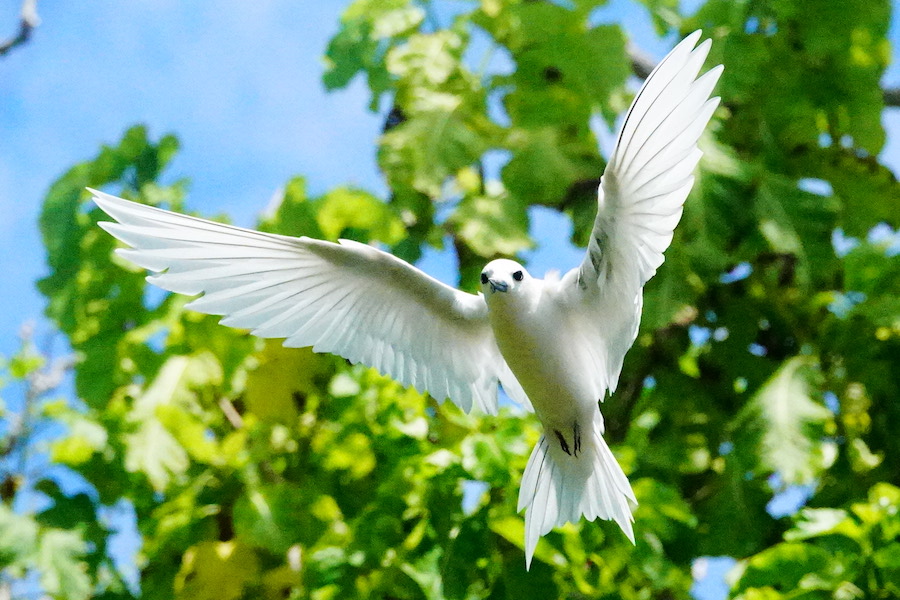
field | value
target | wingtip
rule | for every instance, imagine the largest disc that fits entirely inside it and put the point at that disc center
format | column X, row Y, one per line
column 106, row 226
column 98, row 195
column 102, row 199
column 691, row 38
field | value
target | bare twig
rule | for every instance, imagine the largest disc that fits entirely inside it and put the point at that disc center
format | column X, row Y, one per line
column 28, row 20
column 231, row 413
column 18, row 442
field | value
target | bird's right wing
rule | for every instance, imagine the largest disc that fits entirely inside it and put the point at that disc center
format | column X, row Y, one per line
column 640, row 200
column 348, row 299
column 651, row 170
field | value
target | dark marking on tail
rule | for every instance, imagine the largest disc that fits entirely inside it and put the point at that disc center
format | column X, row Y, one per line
column 576, row 431
column 562, row 442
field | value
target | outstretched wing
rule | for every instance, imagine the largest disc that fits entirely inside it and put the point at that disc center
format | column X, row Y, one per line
column 348, row 299
column 640, row 201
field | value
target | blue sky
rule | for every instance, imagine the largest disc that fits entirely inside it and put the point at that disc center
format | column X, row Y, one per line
column 238, row 82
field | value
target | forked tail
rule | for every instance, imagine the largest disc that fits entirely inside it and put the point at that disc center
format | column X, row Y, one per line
column 560, row 485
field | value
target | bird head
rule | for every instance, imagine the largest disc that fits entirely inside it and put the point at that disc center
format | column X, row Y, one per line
column 503, row 276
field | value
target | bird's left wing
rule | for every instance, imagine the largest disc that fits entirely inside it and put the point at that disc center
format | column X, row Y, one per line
column 640, row 199
column 348, row 299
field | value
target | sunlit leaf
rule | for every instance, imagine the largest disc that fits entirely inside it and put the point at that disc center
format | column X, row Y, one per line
column 428, row 148
column 280, row 378
column 788, row 422
column 277, row 517
column 217, row 570
column 346, row 209
column 18, row 539
column 59, row 561
column 492, row 225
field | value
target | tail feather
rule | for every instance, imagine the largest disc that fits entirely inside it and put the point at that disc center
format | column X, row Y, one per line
column 558, row 487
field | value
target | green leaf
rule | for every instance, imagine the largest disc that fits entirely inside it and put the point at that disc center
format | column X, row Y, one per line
column 190, row 433
column 883, row 499
column 590, row 65
column 868, row 191
column 482, row 457
column 733, row 519
column 546, row 163
column 492, row 225
column 797, row 84
column 63, row 574
column 427, row 60
column 280, row 379
column 799, row 224
column 217, row 571
column 665, row 14
column 179, row 382
column 68, row 512
column 888, row 558
column 155, row 452
column 368, row 30
column 786, row 424
column 870, row 269
column 661, row 511
column 671, row 296
column 815, row 522
column 457, row 568
column 351, row 453
column 424, row 151
column 292, row 213
column 85, row 437
column 18, row 539
column 275, row 517
column 784, row 566
column 344, row 209
column 425, row 574
column 833, row 551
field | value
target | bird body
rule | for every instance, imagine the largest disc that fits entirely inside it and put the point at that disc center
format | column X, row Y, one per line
column 571, row 472
column 555, row 345
column 541, row 363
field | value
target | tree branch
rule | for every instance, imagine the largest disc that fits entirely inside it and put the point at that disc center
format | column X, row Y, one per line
column 891, row 96
column 641, row 62
column 28, row 20
column 231, row 413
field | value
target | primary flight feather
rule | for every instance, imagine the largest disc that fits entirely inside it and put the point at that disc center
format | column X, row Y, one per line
column 556, row 346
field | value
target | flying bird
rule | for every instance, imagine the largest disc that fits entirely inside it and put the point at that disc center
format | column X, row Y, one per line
column 556, row 345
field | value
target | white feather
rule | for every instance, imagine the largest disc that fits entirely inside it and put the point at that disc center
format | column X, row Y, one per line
column 554, row 344
column 558, row 488
column 640, row 200
column 349, row 298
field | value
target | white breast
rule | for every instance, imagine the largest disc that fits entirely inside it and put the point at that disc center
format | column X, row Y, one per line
column 539, row 345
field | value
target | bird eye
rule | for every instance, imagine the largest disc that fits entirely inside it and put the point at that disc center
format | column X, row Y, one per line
column 518, row 275
column 484, row 278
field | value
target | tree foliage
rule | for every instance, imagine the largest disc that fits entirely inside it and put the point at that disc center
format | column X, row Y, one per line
column 768, row 351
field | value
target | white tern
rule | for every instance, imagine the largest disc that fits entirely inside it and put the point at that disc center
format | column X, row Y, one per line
column 556, row 344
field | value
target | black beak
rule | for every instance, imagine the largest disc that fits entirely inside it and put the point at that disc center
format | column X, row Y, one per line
column 498, row 286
